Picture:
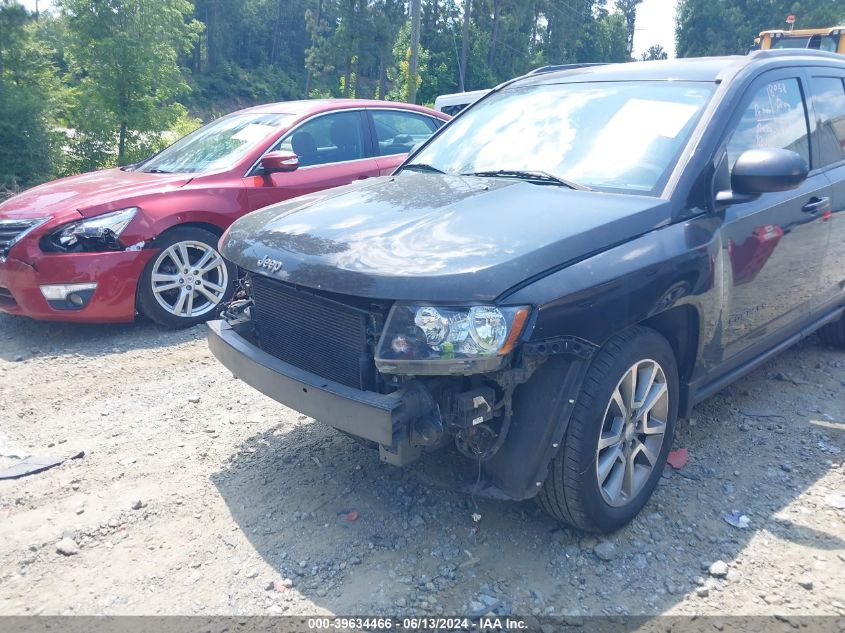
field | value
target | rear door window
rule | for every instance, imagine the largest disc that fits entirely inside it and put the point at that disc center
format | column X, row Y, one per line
column 829, row 106
column 776, row 117
column 398, row 132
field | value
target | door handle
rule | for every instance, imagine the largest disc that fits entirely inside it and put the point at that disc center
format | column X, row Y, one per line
column 815, row 205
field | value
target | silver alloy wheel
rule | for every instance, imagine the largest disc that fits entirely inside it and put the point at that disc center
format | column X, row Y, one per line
column 632, row 433
column 189, row 279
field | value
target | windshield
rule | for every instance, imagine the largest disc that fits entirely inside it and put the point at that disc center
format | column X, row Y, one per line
column 218, row 145
column 614, row 136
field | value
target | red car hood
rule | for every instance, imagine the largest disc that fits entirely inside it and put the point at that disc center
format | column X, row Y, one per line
column 89, row 194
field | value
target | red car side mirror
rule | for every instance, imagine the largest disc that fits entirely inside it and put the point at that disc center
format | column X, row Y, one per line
column 279, row 161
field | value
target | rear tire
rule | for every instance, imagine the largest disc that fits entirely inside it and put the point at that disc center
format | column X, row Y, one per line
column 833, row 334
column 628, row 399
column 183, row 285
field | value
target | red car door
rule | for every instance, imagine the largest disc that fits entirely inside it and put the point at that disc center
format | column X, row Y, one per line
column 332, row 150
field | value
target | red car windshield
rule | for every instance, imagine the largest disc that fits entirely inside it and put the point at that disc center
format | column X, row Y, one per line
column 216, row 146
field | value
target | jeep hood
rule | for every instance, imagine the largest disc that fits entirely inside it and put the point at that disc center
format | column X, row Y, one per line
column 422, row 236
column 100, row 191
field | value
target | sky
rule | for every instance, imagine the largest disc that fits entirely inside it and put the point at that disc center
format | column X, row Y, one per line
column 30, row 4
column 655, row 24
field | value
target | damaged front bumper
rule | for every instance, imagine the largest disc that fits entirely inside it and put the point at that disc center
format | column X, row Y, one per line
column 409, row 420
column 115, row 273
column 380, row 418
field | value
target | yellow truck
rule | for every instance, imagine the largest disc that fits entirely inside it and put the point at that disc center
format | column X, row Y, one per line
column 830, row 39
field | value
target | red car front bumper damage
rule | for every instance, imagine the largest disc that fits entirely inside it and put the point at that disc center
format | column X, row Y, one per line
column 115, row 273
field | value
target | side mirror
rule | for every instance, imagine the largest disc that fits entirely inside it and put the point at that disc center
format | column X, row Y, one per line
column 279, row 161
column 759, row 171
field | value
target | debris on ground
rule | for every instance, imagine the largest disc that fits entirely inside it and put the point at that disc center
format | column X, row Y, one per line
column 737, row 519
column 835, row 501
column 30, row 466
column 719, row 569
column 352, row 516
column 606, row 550
column 678, row 458
column 67, row 547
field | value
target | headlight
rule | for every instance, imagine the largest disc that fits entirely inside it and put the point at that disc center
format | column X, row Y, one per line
column 428, row 339
column 100, row 233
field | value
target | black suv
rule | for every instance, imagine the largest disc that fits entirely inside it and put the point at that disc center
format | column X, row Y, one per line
column 561, row 272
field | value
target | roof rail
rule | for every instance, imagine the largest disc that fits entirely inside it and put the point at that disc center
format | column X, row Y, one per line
column 796, row 52
column 556, row 67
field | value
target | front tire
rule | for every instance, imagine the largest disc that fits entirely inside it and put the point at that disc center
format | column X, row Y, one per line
column 619, row 434
column 187, row 280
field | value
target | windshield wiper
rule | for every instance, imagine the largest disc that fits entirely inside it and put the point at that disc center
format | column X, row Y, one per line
column 158, row 171
column 536, row 176
column 423, row 167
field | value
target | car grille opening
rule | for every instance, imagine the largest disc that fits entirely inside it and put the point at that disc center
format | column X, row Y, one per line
column 314, row 333
column 6, row 298
column 11, row 231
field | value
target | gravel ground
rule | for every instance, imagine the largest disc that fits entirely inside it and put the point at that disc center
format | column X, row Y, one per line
column 196, row 494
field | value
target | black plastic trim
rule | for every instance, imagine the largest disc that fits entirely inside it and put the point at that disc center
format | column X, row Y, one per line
column 366, row 414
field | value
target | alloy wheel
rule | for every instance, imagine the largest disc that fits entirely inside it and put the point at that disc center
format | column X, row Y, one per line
column 189, row 279
column 633, row 431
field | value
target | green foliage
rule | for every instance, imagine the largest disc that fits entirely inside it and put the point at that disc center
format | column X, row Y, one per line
column 400, row 74
column 30, row 149
column 230, row 87
column 122, row 78
column 124, row 57
column 725, row 27
column 654, row 52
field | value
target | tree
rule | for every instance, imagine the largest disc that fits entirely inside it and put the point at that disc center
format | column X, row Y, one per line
column 125, row 55
column 726, row 27
column 462, row 68
column 628, row 8
column 405, row 83
column 30, row 93
column 413, row 62
column 654, row 52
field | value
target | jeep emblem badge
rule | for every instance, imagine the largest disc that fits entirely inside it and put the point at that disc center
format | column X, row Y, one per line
column 273, row 265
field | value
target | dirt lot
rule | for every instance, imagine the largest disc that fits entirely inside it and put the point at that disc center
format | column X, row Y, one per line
column 198, row 495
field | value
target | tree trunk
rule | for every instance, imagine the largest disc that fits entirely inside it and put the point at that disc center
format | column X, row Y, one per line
column 495, row 34
column 415, row 51
column 382, row 77
column 462, row 69
column 277, row 27
column 309, row 74
column 346, row 76
column 2, row 67
column 210, row 43
column 121, row 144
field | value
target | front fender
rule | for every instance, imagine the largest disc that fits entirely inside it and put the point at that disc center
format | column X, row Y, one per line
column 604, row 294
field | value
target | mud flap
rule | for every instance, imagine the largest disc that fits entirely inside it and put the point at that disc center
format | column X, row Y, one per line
column 542, row 409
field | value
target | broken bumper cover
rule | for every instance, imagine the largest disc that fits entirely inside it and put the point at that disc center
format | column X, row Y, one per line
column 380, row 418
column 116, row 274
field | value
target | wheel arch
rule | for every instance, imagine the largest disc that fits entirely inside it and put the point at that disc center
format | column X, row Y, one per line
column 216, row 229
column 680, row 325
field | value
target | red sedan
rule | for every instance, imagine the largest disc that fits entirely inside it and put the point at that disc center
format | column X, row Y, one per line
column 100, row 246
